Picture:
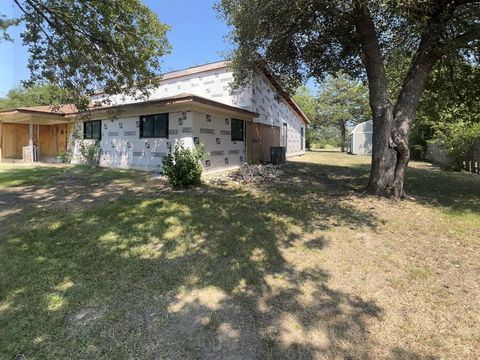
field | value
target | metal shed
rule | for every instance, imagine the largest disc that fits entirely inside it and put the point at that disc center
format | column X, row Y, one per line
column 361, row 138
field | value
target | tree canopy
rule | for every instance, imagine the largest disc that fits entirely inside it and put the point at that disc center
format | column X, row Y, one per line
column 363, row 38
column 40, row 94
column 450, row 108
column 306, row 100
column 85, row 45
column 342, row 102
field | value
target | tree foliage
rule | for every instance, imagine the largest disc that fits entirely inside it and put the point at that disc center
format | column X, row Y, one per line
column 342, row 102
column 305, row 98
column 36, row 95
column 307, row 102
column 458, row 131
column 316, row 38
column 299, row 39
column 5, row 23
column 450, row 103
column 85, row 45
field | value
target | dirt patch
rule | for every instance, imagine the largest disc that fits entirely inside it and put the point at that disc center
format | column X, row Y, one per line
column 75, row 192
column 247, row 174
column 85, row 317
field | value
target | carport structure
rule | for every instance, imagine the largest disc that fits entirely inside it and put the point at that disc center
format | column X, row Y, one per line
column 35, row 133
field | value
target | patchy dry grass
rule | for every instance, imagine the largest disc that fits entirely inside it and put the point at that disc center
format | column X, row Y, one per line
column 26, row 175
column 299, row 268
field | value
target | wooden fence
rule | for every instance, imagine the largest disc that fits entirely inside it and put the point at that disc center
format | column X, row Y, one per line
column 437, row 155
column 470, row 163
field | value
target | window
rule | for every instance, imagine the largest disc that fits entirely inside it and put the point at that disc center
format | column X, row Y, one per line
column 237, row 130
column 92, row 129
column 154, row 126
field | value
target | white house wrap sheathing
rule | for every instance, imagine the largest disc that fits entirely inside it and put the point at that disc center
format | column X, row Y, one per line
column 213, row 132
column 122, row 147
column 214, row 83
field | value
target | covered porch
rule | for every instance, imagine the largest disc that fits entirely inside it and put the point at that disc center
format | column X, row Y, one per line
column 28, row 135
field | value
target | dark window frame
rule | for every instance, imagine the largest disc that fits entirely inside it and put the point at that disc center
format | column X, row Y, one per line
column 233, row 127
column 88, row 134
column 164, row 116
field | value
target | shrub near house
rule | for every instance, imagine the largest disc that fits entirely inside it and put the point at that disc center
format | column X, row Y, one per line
column 182, row 167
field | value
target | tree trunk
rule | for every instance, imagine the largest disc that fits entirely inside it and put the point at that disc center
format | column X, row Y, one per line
column 382, row 171
column 391, row 127
column 343, row 130
column 384, row 157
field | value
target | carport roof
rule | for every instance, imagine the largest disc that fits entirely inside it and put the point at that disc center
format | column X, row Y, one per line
column 66, row 113
column 38, row 114
column 58, row 110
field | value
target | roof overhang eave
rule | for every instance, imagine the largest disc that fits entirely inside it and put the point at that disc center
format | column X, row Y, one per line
column 33, row 117
column 173, row 104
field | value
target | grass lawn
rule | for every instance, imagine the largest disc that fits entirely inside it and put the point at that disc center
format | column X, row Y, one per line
column 98, row 263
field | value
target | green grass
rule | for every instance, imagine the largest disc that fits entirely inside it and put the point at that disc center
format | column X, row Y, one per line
column 298, row 268
column 25, row 175
column 30, row 175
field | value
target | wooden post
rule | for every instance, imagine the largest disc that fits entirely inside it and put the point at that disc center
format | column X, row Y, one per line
column 37, row 153
column 1, row 140
column 30, row 142
column 477, row 153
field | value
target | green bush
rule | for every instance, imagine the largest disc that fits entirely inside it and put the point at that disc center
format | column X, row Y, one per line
column 182, row 166
column 66, row 157
column 90, row 152
column 417, row 152
column 458, row 131
column 324, row 144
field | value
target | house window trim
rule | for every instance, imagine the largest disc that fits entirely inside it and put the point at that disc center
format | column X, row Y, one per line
column 91, row 135
column 154, row 137
column 233, row 138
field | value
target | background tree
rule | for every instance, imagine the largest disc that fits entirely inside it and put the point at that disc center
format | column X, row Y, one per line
column 342, row 102
column 81, row 46
column 305, row 98
column 299, row 39
column 43, row 94
column 450, row 113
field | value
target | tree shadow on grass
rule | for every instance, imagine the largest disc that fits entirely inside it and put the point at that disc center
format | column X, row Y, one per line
column 453, row 191
column 67, row 186
column 330, row 179
column 184, row 275
column 196, row 274
column 23, row 175
column 456, row 192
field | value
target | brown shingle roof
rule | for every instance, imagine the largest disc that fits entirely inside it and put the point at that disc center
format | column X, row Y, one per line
column 59, row 110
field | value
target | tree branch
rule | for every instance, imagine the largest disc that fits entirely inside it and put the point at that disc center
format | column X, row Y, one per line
column 460, row 41
column 427, row 54
column 371, row 57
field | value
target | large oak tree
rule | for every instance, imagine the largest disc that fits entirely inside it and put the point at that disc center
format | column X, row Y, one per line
column 80, row 46
column 299, row 39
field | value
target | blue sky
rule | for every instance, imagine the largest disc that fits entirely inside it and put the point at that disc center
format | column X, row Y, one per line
column 196, row 34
